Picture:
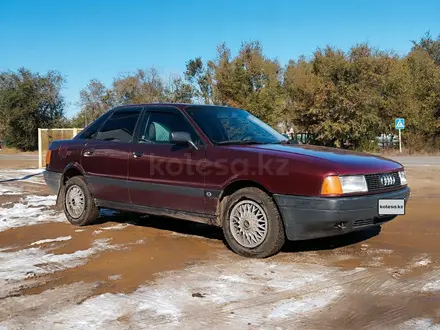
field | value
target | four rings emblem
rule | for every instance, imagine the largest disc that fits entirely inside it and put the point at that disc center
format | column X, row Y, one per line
column 387, row 180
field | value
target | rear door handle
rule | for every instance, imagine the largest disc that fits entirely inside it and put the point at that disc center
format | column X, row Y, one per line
column 137, row 154
column 89, row 152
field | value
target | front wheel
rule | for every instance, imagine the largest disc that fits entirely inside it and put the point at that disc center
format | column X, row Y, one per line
column 79, row 206
column 252, row 224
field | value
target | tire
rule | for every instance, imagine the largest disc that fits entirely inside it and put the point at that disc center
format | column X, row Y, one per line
column 89, row 211
column 257, row 202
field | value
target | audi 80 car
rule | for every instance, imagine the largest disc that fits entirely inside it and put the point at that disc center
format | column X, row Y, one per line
column 224, row 167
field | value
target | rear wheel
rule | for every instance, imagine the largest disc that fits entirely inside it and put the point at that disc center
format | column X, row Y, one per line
column 252, row 224
column 79, row 206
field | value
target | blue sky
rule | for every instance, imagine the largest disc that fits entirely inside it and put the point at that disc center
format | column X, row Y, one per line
column 87, row 39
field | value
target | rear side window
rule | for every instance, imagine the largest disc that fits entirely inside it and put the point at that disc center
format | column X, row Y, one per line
column 120, row 127
column 91, row 131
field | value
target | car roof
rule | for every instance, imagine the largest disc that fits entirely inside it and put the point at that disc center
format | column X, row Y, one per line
column 180, row 106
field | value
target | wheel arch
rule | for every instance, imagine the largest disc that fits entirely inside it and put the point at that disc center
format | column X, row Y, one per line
column 70, row 171
column 231, row 188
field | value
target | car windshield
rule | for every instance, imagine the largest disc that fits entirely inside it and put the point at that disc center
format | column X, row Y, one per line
column 224, row 125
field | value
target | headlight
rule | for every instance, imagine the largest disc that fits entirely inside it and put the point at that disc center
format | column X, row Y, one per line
column 402, row 176
column 352, row 184
column 338, row 185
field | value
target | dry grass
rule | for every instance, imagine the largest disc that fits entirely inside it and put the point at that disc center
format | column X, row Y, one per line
column 6, row 150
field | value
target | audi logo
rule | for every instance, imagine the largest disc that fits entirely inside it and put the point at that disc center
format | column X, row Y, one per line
column 387, row 180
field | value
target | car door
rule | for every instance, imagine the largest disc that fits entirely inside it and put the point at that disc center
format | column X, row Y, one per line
column 105, row 158
column 163, row 174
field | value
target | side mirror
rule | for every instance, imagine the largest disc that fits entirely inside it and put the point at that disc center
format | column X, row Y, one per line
column 182, row 138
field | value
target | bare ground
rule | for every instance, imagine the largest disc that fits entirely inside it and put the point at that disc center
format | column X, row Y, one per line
column 129, row 272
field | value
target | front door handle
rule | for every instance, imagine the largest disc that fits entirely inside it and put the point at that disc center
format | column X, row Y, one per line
column 137, row 154
column 89, row 152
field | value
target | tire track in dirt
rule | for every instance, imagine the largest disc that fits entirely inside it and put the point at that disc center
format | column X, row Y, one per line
column 22, row 313
column 241, row 311
column 371, row 299
column 382, row 303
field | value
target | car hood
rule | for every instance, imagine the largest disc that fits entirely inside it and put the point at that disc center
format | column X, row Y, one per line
column 342, row 161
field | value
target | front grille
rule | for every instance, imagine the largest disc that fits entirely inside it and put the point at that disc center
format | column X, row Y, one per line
column 376, row 183
column 375, row 221
column 360, row 223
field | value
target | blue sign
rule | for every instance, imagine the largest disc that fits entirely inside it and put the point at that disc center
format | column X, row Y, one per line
column 400, row 123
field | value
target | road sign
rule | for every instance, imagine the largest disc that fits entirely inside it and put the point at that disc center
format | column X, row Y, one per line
column 399, row 123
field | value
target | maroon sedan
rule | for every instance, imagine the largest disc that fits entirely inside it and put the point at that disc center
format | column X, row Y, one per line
column 221, row 166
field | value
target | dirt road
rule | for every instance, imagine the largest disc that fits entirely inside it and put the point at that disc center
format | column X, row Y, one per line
column 135, row 273
column 18, row 160
column 418, row 160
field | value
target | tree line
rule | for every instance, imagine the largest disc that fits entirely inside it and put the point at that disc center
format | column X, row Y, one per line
column 344, row 98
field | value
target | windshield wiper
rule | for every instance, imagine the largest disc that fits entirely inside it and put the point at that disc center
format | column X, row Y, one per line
column 283, row 142
column 238, row 142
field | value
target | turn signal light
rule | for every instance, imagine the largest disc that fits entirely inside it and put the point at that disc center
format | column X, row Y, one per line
column 48, row 154
column 331, row 186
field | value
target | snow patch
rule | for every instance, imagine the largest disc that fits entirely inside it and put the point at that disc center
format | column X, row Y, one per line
column 379, row 251
column 188, row 236
column 114, row 277
column 31, row 210
column 8, row 191
column 376, row 262
column 205, row 295
column 315, row 300
column 421, row 262
column 432, row 286
column 24, row 264
column 52, row 240
column 384, row 251
column 37, row 201
column 421, row 323
column 180, row 234
column 116, row 227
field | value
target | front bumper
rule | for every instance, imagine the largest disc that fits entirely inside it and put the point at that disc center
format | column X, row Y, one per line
column 53, row 180
column 314, row 217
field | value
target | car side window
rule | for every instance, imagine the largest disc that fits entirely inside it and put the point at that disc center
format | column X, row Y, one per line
column 121, row 126
column 159, row 125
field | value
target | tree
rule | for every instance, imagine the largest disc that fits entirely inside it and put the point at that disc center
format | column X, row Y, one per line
column 250, row 80
column 338, row 96
column 344, row 98
column 430, row 45
column 423, row 113
column 29, row 101
column 145, row 86
column 178, row 91
column 95, row 99
column 199, row 77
